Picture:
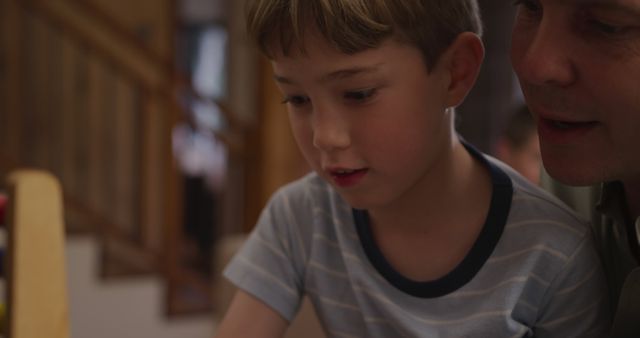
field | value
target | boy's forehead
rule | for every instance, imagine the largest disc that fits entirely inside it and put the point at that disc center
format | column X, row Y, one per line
column 335, row 75
column 326, row 63
column 289, row 45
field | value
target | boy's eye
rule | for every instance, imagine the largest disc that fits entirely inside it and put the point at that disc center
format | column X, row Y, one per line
column 360, row 95
column 295, row 100
column 530, row 6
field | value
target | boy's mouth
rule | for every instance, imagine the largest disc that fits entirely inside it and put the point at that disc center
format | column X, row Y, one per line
column 347, row 177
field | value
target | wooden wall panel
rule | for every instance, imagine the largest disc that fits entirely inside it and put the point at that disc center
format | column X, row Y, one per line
column 81, row 146
column 149, row 21
column 6, row 27
column 85, row 98
column 68, row 112
column 96, row 114
column 152, row 171
column 55, row 114
column 279, row 161
column 32, row 84
column 282, row 161
column 126, row 145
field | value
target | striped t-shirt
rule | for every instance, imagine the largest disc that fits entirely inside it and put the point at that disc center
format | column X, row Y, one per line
column 533, row 271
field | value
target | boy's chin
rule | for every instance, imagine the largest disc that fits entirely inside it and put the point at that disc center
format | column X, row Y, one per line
column 358, row 201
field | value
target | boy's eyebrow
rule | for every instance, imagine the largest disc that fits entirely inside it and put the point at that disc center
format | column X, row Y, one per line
column 335, row 75
column 349, row 72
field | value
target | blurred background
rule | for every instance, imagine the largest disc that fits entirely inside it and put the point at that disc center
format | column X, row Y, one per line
column 166, row 130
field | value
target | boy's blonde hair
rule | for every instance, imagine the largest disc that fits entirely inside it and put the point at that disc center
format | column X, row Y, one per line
column 355, row 25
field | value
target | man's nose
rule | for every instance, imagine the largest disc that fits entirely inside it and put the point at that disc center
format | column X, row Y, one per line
column 331, row 130
column 548, row 55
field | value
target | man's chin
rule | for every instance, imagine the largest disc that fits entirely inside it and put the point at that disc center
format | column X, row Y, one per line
column 574, row 175
column 575, row 166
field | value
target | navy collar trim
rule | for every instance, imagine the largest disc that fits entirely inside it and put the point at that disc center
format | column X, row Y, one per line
column 475, row 258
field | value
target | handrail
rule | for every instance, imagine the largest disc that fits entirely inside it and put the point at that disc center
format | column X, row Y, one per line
column 131, row 58
column 124, row 36
column 135, row 59
column 117, row 50
column 133, row 41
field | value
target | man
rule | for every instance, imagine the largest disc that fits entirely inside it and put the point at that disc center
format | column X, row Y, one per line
column 579, row 67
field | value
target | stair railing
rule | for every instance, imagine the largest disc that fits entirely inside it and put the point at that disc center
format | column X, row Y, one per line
column 95, row 105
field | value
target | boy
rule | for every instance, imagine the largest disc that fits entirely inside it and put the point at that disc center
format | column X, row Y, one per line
column 403, row 230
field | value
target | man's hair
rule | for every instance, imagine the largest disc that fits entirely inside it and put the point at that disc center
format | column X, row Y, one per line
column 520, row 127
column 356, row 25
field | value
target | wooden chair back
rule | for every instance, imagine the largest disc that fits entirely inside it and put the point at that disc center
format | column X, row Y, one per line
column 37, row 300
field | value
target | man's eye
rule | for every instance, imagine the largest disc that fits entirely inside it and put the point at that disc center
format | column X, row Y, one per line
column 295, row 100
column 606, row 28
column 360, row 95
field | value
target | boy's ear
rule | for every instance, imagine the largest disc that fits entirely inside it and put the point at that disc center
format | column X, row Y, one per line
column 463, row 60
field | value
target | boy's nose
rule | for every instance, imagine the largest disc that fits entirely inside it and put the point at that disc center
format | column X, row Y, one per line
column 545, row 56
column 330, row 131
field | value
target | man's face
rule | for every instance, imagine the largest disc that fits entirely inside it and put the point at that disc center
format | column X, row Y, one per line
column 579, row 67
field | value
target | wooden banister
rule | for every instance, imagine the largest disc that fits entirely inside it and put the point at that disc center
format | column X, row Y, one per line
column 126, row 52
column 124, row 36
column 105, row 103
column 115, row 46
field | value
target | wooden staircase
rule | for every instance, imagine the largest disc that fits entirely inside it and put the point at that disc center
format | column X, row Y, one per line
column 88, row 91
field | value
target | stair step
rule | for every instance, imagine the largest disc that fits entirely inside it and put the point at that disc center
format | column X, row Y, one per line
column 124, row 308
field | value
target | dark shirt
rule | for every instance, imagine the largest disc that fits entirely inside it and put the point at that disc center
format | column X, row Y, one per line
column 617, row 237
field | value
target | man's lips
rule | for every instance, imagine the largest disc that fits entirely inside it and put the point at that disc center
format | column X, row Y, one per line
column 563, row 125
column 563, row 131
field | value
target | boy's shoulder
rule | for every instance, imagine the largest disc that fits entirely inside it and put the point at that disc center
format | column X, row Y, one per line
column 309, row 191
column 309, row 185
column 525, row 201
column 534, row 206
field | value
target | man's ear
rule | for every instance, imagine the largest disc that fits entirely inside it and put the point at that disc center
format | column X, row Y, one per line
column 463, row 60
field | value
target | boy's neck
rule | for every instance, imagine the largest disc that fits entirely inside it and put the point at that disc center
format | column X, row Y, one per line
column 429, row 223
column 459, row 183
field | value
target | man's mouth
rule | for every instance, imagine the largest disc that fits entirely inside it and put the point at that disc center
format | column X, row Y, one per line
column 565, row 125
column 564, row 132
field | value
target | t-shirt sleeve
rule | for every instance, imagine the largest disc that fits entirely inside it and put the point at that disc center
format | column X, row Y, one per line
column 270, row 265
column 576, row 304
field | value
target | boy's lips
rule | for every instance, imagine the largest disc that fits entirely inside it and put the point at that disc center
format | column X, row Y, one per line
column 347, row 177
